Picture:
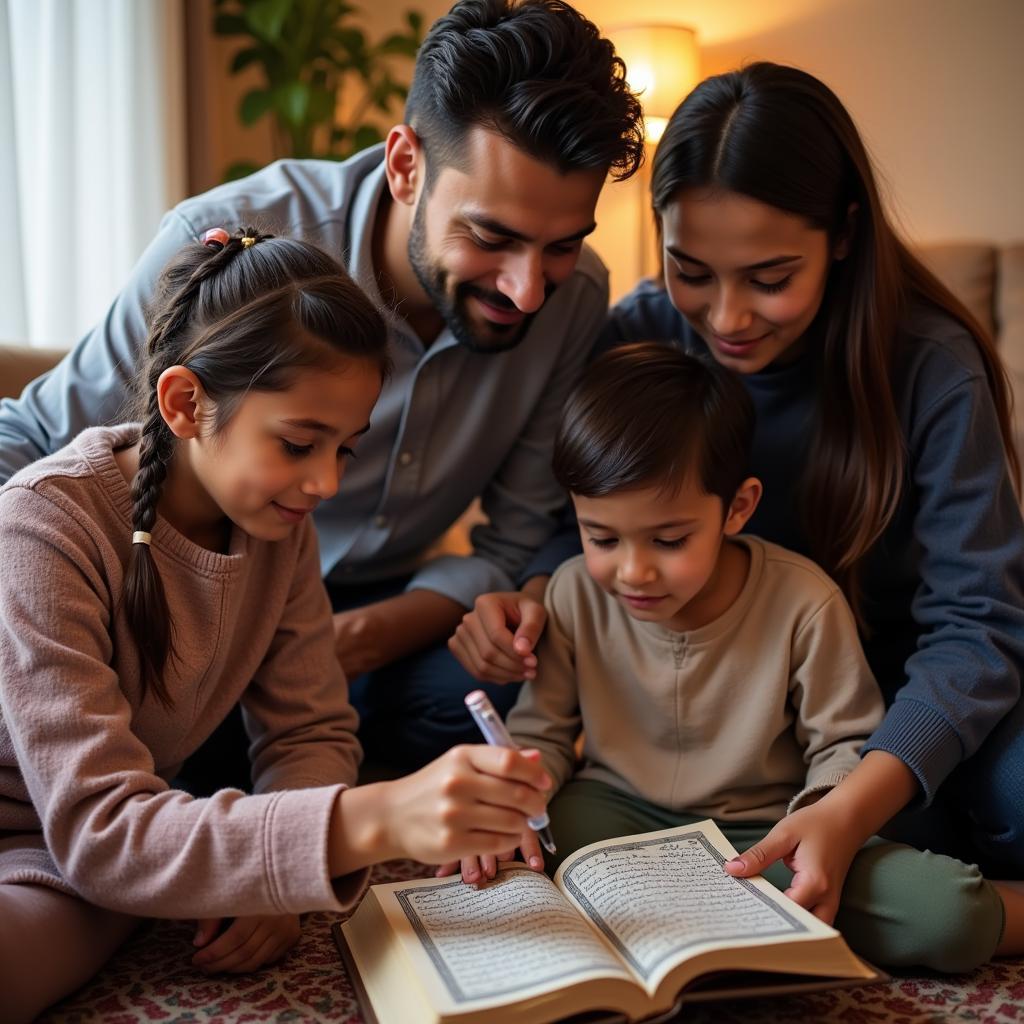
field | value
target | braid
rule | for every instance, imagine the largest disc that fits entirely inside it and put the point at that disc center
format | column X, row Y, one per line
column 145, row 600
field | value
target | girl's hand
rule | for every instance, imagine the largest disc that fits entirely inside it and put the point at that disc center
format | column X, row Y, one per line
column 486, row 646
column 476, row 870
column 471, row 801
column 812, row 843
column 247, row 944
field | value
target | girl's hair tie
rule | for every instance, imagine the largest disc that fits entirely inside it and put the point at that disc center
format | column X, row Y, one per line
column 216, row 238
column 141, row 537
column 247, row 241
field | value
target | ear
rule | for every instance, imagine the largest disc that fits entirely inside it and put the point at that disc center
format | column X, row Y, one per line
column 179, row 394
column 843, row 243
column 404, row 163
column 747, row 497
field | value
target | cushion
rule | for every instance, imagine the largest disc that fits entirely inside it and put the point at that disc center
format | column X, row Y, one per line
column 968, row 270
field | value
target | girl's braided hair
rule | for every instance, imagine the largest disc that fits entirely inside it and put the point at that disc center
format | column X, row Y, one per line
column 245, row 315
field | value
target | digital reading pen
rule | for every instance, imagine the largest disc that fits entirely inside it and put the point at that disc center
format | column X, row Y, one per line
column 497, row 735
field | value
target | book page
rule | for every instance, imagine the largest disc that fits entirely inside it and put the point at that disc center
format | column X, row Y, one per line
column 514, row 938
column 660, row 895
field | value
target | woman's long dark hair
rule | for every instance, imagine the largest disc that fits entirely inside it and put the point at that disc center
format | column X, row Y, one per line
column 782, row 137
column 242, row 317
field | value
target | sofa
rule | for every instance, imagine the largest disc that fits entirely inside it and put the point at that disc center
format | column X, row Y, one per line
column 989, row 280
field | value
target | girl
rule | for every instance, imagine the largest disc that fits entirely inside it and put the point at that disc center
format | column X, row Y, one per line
column 155, row 573
column 883, row 441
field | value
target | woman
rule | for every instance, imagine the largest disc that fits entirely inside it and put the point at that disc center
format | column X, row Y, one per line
column 883, row 440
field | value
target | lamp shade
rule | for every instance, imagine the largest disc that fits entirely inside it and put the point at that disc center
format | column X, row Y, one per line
column 662, row 66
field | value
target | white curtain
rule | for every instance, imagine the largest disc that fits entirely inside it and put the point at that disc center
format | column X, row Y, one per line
column 92, row 152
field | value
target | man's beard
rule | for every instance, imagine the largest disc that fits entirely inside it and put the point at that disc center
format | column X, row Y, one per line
column 453, row 307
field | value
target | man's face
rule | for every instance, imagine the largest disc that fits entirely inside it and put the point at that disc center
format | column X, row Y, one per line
column 491, row 241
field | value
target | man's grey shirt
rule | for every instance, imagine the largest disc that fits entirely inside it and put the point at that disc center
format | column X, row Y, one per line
column 451, row 424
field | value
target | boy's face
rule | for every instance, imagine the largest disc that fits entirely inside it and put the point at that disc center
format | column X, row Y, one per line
column 657, row 554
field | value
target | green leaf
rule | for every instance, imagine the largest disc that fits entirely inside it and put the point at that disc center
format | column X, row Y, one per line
column 266, row 18
column 366, row 135
column 351, row 39
column 321, row 105
column 401, row 45
column 240, row 169
column 230, row 25
column 415, row 20
column 254, row 105
column 245, row 57
column 291, row 101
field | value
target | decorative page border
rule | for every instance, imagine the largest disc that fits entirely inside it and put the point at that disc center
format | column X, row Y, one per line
column 795, row 926
column 456, row 992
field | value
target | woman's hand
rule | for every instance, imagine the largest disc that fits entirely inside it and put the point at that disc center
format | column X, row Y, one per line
column 247, row 944
column 486, row 646
column 818, row 843
column 816, row 847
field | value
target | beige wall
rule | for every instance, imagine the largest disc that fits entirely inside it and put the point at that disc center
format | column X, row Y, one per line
column 936, row 87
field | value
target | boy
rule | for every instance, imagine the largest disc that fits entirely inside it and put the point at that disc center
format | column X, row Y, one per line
column 717, row 675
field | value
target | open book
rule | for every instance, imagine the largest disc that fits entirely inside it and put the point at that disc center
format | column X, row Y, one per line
column 628, row 927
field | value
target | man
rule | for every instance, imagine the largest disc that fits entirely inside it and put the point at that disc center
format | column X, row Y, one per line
column 468, row 226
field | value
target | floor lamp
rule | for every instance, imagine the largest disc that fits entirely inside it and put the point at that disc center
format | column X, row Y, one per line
column 662, row 66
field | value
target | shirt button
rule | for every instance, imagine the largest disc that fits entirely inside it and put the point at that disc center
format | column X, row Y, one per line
column 405, row 459
column 380, row 521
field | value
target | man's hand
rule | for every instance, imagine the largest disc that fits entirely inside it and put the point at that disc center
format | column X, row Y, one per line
column 358, row 640
column 485, row 644
column 377, row 634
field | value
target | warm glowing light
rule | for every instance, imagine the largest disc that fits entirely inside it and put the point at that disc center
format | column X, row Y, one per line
column 662, row 65
column 655, row 128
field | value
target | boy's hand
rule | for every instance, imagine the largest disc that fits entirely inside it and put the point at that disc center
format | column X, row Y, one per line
column 471, row 801
column 246, row 944
column 485, row 645
column 476, row 870
column 815, row 846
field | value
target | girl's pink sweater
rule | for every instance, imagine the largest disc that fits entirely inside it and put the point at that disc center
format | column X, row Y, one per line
column 85, row 762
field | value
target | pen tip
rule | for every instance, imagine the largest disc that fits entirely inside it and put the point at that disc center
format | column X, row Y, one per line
column 547, row 840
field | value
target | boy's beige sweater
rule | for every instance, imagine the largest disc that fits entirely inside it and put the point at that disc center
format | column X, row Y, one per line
column 85, row 804
column 738, row 720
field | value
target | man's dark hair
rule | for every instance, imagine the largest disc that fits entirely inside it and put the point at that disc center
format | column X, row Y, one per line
column 536, row 72
column 649, row 415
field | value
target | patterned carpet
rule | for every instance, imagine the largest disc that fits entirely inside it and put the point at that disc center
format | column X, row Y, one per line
column 151, row 980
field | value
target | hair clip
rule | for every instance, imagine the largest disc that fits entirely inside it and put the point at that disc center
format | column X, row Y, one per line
column 141, row 537
column 215, row 238
column 247, row 241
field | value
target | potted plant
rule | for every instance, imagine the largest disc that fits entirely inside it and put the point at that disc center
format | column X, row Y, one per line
column 309, row 52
